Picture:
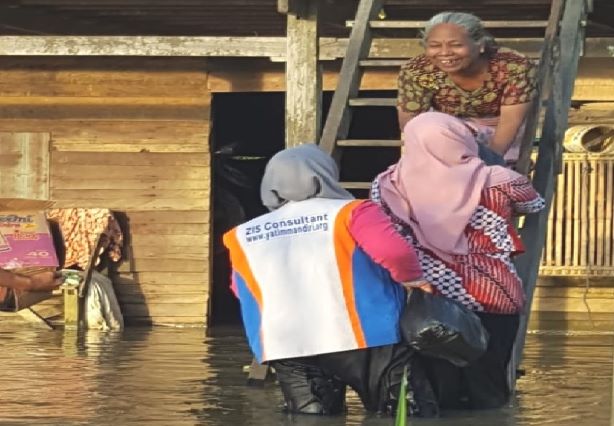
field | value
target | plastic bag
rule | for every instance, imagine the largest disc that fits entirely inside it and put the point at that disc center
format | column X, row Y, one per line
column 442, row 328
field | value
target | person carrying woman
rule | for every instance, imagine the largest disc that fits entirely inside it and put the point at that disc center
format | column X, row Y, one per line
column 465, row 74
column 457, row 213
column 320, row 283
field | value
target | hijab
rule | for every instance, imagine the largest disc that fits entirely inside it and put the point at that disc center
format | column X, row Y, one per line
column 300, row 173
column 437, row 184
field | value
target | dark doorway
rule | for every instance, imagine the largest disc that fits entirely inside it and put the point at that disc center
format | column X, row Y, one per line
column 247, row 129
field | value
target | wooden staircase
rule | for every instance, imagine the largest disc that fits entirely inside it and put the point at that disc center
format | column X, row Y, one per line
column 562, row 48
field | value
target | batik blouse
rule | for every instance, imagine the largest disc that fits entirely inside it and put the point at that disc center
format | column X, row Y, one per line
column 511, row 80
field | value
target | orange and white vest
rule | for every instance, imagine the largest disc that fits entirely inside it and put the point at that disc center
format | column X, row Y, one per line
column 306, row 288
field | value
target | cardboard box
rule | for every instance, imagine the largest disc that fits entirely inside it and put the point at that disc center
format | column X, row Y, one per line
column 26, row 246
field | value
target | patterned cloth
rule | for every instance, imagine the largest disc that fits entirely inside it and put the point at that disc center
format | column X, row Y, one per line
column 511, row 80
column 81, row 228
column 484, row 280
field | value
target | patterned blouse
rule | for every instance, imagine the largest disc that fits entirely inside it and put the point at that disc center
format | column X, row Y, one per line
column 484, row 280
column 511, row 80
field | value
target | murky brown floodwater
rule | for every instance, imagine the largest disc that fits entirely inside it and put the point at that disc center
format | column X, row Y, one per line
column 166, row 376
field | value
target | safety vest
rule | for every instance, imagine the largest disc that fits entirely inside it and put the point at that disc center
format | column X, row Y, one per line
column 306, row 288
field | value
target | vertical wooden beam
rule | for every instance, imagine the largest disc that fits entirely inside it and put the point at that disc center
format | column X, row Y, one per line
column 548, row 161
column 303, row 76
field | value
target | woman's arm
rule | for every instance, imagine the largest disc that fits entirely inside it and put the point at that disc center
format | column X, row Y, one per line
column 42, row 281
column 525, row 199
column 375, row 234
column 510, row 120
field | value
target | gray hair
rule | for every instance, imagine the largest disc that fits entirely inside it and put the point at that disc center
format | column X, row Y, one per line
column 471, row 23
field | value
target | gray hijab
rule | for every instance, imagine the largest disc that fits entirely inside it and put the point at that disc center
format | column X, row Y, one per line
column 300, row 173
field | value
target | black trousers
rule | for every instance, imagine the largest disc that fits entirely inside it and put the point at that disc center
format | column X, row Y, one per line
column 482, row 384
column 316, row 385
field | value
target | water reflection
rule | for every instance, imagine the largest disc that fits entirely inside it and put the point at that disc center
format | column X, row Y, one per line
column 181, row 377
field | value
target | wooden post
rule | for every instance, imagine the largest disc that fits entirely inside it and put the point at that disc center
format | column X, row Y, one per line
column 548, row 159
column 303, row 75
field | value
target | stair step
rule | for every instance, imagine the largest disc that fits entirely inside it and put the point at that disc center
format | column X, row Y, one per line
column 361, row 102
column 368, row 143
column 356, row 185
column 421, row 24
column 382, row 62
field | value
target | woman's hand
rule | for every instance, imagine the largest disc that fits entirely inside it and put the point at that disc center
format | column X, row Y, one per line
column 418, row 284
column 45, row 281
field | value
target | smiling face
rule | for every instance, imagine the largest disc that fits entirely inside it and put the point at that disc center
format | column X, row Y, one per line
column 449, row 48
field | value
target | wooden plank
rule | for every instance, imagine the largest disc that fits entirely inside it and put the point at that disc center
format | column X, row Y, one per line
column 131, row 172
column 161, row 251
column 164, row 299
column 37, row 77
column 592, row 221
column 140, row 264
column 608, row 236
column 110, row 194
column 180, row 217
column 599, row 206
column 577, row 212
column 128, row 204
column 576, row 271
column 565, row 304
column 574, row 292
column 144, row 184
column 273, row 47
column 130, row 147
column 584, row 213
column 100, row 135
column 169, row 228
column 374, row 143
column 559, row 237
column 141, row 46
column 303, row 76
column 170, row 159
column 549, row 244
column 373, row 102
column 338, row 121
column 165, row 309
column 569, row 225
column 24, row 168
column 187, row 241
column 161, row 278
column 196, row 321
column 78, row 112
column 161, row 289
column 421, row 24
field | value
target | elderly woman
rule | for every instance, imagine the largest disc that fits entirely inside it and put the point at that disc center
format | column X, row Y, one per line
column 320, row 282
column 465, row 74
column 457, row 213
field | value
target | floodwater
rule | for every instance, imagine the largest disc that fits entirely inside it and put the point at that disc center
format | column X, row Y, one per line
column 175, row 376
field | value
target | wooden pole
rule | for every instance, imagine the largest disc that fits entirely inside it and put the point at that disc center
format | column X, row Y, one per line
column 303, row 76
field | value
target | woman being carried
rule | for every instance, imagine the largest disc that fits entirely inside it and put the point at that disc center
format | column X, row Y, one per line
column 465, row 74
column 458, row 214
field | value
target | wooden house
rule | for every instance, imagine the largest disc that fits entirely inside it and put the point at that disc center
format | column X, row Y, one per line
column 122, row 104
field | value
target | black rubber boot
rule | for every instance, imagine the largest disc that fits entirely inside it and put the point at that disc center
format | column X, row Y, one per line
column 308, row 389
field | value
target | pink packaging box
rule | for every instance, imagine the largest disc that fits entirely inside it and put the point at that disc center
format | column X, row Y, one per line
column 25, row 240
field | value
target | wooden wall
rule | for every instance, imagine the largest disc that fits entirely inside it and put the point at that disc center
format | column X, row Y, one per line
column 132, row 135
